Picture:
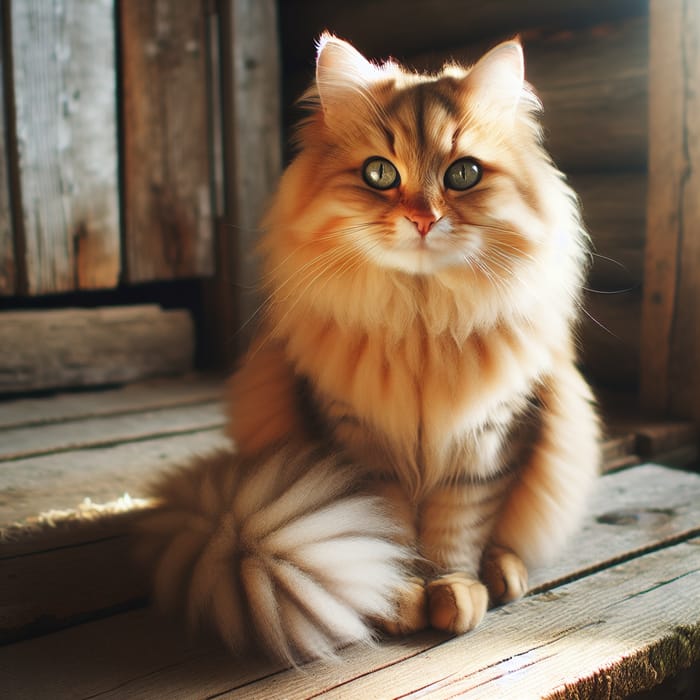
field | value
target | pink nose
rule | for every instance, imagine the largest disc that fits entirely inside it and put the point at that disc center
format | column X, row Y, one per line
column 423, row 220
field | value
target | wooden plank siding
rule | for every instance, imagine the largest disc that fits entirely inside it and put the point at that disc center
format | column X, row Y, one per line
column 64, row 93
column 670, row 340
column 8, row 273
column 166, row 150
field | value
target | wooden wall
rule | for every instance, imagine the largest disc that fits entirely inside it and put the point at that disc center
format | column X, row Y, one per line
column 589, row 63
column 105, row 156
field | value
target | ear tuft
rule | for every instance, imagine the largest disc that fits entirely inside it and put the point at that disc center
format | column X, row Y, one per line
column 341, row 70
column 498, row 78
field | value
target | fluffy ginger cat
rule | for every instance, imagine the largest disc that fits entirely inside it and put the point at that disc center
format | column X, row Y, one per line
column 411, row 430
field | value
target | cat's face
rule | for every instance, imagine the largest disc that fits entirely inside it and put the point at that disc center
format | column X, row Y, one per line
column 423, row 173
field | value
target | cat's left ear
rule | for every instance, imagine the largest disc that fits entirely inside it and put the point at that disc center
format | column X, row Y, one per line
column 341, row 70
column 498, row 78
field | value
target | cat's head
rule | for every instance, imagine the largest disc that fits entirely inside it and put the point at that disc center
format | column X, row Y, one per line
column 404, row 176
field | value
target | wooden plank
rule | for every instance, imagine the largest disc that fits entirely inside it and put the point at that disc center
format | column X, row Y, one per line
column 610, row 338
column 81, row 434
column 614, row 209
column 670, row 374
column 632, row 512
column 36, row 485
column 252, row 152
column 438, row 23
column 64, row 84
column 144, row 396
column 167, row 173
column 621, row 630
column 8, row 273
column 616, row 633
column 84, row 347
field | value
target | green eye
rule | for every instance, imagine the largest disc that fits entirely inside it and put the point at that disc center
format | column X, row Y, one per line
column 463, row 174
column 380, row 173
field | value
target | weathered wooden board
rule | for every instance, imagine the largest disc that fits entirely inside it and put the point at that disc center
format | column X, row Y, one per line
column 87, row 347
column 614, row 210
column 8, row 273
column 620, row 630
column 64, row 83
column 610, row 338
column 670, row 340
column 90, row 433
column 633, row 511
column 143, row 396
column 250, row 74
column 167, row 173
column 29, row 487
column 445, row 23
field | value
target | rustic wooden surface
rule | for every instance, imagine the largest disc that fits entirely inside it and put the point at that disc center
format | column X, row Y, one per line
column 88, row 347
column 167, row 180
column 670, row 343
column 64, row 84
column 615, row 629
column 610, row 338
column 7, row 253
column 447, row 23
column 251, row 145
column 614, row 211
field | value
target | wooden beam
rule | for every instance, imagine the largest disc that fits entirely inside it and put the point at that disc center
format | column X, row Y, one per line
column 167, row 174
column 8, row 273
column 64, row 84
column 250, row 75
column 87, row 347
column 670, row 342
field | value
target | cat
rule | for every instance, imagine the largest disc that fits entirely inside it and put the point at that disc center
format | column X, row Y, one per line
column 412, row 432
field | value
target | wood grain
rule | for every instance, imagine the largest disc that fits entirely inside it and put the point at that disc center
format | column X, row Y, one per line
column 614, row 210
column 8, row 272
column 671, row 316
column 88, row 347
column 63, row 482
column 167, row 184
column 444, row 23
column 142, row 396
column 64, row 84
column 621, row 630
column 250, row 96
column 91, row 432
column 610, row 338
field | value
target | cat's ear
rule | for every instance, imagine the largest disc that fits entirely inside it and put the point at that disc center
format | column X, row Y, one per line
column 498, row 78
column 340, row 71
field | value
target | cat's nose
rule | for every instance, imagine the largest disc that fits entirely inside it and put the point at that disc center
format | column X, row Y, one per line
column 423, row 220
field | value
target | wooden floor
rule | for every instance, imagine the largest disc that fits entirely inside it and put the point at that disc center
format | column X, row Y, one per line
column 617, row 613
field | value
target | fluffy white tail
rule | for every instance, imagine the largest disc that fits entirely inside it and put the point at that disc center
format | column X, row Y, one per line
column 284, row 546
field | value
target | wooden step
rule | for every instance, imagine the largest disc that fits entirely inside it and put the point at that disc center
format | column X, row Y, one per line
column 616, row 614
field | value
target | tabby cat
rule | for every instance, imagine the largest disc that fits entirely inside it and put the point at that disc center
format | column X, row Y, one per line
column 411, row 430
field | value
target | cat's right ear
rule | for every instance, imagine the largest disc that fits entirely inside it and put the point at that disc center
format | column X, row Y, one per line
column 341, row 71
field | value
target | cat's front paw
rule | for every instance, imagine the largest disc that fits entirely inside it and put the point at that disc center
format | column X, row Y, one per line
column 410, row 612
column 456, row 602
column 504, row 574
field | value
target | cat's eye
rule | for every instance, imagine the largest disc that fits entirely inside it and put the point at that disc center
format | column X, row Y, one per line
column 463, row 174
column 380, row 173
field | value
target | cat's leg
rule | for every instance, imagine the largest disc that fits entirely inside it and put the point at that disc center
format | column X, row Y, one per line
column 411, row 612
column 549, row 497
column 455, row 521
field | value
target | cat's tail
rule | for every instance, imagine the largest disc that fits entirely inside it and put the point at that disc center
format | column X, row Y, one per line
column 281, row 552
